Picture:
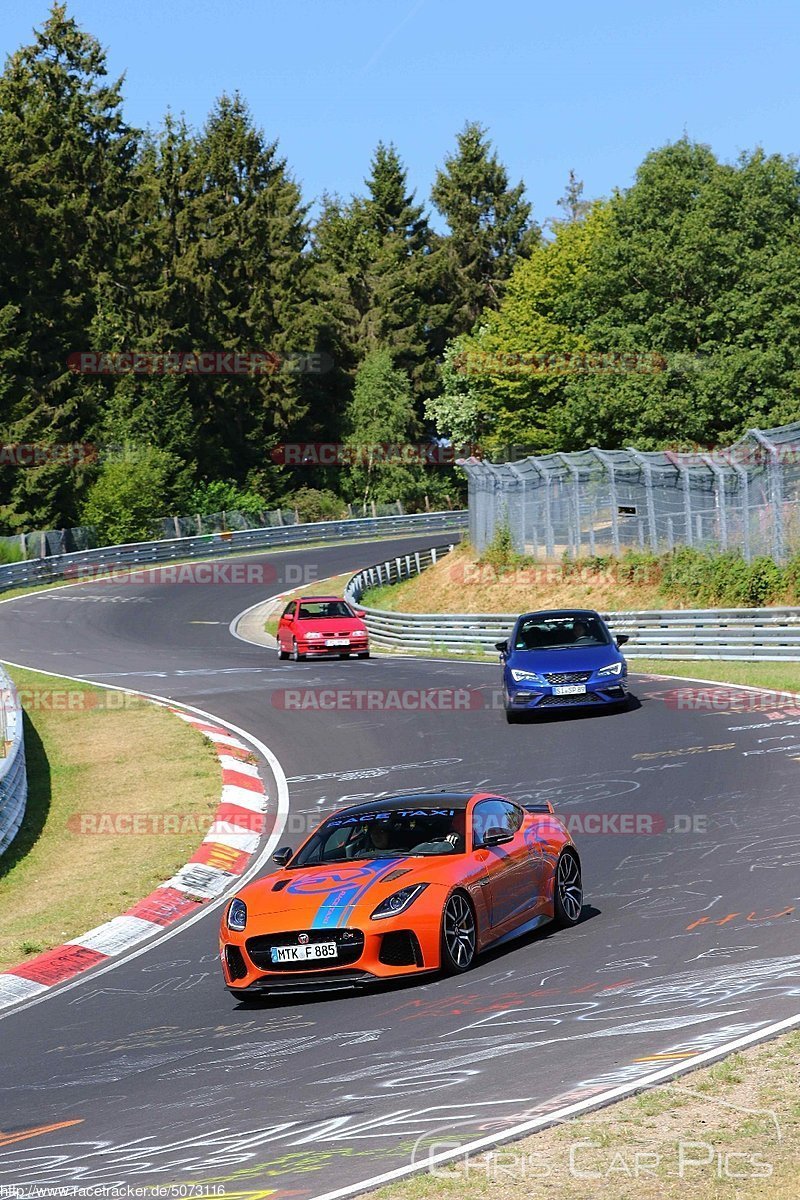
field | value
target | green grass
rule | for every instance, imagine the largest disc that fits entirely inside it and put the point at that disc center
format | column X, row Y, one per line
column 780, row 676
column 91, row 751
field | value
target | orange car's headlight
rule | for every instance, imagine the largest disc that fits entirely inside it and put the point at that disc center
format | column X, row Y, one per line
column 237, row 915
column 398, row 901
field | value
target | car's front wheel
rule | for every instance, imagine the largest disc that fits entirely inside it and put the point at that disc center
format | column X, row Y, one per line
column 282, row 654
column 296, row 655
column 568, row 890
column 459, row 934
column 363, row 654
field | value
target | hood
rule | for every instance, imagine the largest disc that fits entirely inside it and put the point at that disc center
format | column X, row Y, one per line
column 578, row 658
column 326, row 897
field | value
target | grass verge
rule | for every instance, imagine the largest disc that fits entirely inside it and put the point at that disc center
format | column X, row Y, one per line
column 727, row 1132
column 782, row 676
column 460, row 583
column 90, row 751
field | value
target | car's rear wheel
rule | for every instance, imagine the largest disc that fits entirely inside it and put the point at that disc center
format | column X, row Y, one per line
column 568, row 890
column 296, row 655
column 459, row 934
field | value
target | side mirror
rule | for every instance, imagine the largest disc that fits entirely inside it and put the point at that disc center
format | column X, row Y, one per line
column 501, row 646
column 497, row 837
column 359, row 612
column 282, row 856
column 623, row 638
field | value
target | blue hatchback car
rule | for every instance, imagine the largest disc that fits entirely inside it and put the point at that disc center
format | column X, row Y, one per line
column 562, row 658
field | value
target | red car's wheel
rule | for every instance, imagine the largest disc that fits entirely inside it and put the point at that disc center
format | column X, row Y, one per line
column 296, row 655
column 459, row 934
column 568, row 890
column 283, row 654
column 364, row 654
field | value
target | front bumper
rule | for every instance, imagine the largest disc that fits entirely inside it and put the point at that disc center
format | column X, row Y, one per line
column 522, row 697
column 388, row 950
column 317, row 649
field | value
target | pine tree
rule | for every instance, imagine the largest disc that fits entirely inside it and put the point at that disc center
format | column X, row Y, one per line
column 572, row 203
column 249, row 256
column 374, row 272
column 490, row 227
column 65, row 167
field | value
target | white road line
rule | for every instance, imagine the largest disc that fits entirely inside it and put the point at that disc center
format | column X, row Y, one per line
column 600, row 1101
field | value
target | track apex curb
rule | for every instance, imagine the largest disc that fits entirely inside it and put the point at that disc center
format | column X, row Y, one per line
column 235, row 830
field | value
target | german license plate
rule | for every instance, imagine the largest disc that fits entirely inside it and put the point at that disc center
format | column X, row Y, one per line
column 337, row 641
column 571, row 689
column 281, row 954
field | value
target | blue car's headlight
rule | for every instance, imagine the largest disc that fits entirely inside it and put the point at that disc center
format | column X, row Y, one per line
column 237, row 915
column 398, row 901
column 612, row 669
column 526, row 676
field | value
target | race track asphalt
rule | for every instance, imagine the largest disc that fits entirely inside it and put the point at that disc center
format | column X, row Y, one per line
column 689, row 939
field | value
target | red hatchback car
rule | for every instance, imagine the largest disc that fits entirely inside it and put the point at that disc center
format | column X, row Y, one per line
column 322, row 626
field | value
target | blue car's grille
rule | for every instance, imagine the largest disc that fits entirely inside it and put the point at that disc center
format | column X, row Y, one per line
column 557, row 701
column 568, row 676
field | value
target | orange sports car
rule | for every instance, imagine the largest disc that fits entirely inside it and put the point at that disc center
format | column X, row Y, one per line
column 400, row 886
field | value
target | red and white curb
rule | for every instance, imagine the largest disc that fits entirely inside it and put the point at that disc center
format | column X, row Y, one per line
column 226, row 851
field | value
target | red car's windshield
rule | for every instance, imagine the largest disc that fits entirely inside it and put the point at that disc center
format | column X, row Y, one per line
column 316, row 609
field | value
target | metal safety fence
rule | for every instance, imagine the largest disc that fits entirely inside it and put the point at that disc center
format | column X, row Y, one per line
column 13, row 776
column 753, row 634
column 41, row 542
column 745, row 497
column 83, row 564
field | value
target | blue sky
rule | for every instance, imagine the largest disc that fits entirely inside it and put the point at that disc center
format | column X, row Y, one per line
column 584, row 85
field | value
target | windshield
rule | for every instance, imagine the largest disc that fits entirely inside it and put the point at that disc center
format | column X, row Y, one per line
column 559, row 633
column 391, row 833
column 323, row 608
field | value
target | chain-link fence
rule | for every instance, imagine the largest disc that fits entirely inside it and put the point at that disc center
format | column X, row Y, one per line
column 745, row 497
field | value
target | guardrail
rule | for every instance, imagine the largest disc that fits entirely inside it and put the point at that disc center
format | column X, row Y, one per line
column 754, row 634
column 82, row 563
column 13, row 776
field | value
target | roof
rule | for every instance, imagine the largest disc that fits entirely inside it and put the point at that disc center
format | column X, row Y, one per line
column 559, row 613
column 317, row 599
column 458, row 800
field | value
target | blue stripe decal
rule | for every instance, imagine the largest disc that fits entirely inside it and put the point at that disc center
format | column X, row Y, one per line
column 336, row 908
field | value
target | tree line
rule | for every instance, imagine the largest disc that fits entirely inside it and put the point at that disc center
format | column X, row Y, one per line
column 663, row 315
column 118, row 240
